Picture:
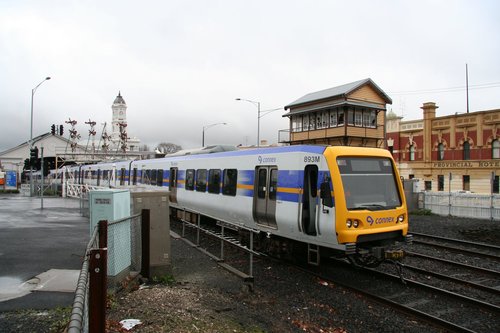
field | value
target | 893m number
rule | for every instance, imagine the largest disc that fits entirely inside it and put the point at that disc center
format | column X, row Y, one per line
column 311, row 159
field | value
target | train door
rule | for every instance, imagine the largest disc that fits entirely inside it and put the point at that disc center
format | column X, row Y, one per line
column 310, row 200
column 172, row 185
column 264, row 198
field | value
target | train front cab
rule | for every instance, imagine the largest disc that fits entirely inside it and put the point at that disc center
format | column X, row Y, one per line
column 371, row 218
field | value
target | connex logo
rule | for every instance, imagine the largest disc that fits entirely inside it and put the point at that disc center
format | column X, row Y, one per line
column 369, row 219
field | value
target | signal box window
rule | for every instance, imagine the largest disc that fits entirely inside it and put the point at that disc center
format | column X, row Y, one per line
column 230, row 181
column 190, row 179
column 214, row 181
column 201, row 180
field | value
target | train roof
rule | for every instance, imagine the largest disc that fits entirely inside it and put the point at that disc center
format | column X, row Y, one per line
column 312, row 149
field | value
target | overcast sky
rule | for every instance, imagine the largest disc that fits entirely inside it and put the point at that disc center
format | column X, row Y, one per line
column 180, row 64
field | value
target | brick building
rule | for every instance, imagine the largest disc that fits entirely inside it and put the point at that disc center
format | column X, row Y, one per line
column 460, row 152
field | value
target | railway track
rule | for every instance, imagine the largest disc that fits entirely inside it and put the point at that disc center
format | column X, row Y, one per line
column 475, row 249
column 441, row 305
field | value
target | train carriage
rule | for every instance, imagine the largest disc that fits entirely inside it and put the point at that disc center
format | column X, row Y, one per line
column 344, row 198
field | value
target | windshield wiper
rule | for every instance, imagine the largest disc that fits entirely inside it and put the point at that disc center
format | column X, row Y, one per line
column 370, row 207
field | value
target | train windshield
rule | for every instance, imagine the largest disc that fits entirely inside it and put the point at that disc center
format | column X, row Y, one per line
column 369, row 183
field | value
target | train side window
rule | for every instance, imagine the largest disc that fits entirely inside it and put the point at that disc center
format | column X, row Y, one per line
column 134, row 176
column 273, row 184
column 214, row 181
column 153, row 176
column 190, row 179
column 261, row 187
column 172, row 180
column 159, row 177
column 122, row 176
column 230, row 181
column 201, row 180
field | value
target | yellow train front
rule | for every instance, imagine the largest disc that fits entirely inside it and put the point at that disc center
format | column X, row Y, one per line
column 371, row 217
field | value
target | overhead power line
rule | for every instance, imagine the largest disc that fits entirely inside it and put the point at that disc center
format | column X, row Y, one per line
column 444, row 90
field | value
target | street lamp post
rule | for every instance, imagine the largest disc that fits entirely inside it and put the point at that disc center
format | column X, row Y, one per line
column 257, row 104
column 31, row 131
column 207, row 127
column 260, row 114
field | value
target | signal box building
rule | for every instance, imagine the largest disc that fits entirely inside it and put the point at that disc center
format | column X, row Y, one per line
column 460, row 152
column 349, row 115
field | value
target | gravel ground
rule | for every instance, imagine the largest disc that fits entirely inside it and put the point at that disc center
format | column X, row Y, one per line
column 200, row 296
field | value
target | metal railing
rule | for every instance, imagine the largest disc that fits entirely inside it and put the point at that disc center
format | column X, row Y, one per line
column 472, row 205
column 105, row 248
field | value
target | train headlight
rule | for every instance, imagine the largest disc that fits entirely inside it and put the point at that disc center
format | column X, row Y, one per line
column 349, row 223
column 355, row 223
column 401, row 218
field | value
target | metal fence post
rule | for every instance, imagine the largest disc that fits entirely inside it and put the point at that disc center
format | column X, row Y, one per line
column 145, row 238
column 97, row 296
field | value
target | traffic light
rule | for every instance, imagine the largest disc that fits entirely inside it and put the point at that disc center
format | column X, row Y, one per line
column 53, row 129
column 33, row 156
column 61, row 130
column 27, row 164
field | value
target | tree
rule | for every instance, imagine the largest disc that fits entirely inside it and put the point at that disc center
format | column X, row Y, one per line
column 168, row 148
column 144, row 148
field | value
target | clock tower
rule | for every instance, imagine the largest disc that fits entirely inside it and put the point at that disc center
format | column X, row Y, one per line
column 119, row 108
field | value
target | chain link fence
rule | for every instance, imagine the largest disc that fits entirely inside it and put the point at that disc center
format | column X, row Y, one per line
column 114, row 250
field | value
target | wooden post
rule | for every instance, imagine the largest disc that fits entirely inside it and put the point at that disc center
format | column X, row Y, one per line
column 97, row 290
column 103, row 234
column 145, row 240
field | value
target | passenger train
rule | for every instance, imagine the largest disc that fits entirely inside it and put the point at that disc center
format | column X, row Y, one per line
column 347, row 199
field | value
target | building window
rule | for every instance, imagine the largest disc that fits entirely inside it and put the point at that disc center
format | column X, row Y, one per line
column 296, row 123
column 305, row 122
column 333, row 118
column 428, row 185
column 440, row 182
column 412, row 153
column 358, row 118
column 466, row 182
column 495, row 149
column 440, row 152
column 350, row 117
column 312, row 121
column 496, row 186
column 340, row 118
column 466, row 150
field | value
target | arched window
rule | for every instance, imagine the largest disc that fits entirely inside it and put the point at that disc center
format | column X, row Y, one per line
column 495, row 149
column 412, row 153
column 466, row 150
column 440, row 152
